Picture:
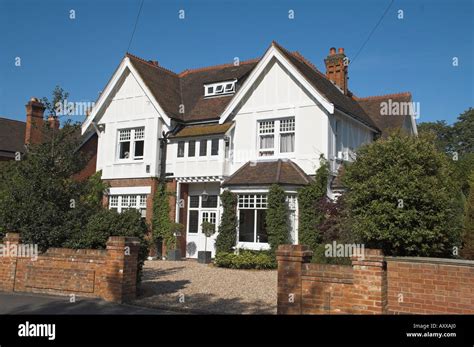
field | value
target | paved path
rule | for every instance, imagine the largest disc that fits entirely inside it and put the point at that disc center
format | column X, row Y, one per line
column 16, row 303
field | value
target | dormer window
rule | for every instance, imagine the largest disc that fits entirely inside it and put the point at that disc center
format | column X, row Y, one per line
column 220, row 88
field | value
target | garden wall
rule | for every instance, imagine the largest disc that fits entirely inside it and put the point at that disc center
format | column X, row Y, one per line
column 110, row 274
column 373, row 284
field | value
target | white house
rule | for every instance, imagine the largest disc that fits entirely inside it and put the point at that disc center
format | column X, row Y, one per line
column 238, row 127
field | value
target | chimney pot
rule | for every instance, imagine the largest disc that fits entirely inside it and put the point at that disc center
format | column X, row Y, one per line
column 332, row 50
column 341, row 50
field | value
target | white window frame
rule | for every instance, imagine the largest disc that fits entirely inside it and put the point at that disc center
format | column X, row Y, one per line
column 127, row 201
column 136, row 134
column 219, row 88
column 255, row 202
column 204, row 213
column 264, row 130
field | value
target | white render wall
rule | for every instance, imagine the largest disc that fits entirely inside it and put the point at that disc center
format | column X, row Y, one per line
column 277, row 95
column 128, row 108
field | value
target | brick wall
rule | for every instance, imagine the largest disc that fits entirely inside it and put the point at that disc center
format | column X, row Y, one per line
column 110, row 274
column 430, row 285
column 373, row 284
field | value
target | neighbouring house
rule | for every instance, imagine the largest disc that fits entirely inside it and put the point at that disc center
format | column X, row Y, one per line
column 15, row 136
column 241, row 127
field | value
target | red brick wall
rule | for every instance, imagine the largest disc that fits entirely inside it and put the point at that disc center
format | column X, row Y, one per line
column 370, row 286
column 110, row 274
column 431, row 286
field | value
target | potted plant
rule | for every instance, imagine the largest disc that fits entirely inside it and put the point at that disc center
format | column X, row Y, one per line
column 208, row 229
column 174, row 253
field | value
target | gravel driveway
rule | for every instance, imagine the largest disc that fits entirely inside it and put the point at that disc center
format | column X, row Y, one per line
column 198, row 288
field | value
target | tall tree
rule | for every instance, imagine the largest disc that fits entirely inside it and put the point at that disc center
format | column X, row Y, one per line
column 467, row 251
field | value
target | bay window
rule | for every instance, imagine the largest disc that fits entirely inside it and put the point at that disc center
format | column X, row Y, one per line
column 252, row 218
column 121, row 203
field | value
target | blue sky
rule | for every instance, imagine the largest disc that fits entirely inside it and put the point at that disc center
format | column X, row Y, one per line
column 412, row 54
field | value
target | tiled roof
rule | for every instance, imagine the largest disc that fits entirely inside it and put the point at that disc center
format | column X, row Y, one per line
column 279, row 171
column 187, row 88
column 12, row 136
column 321, row 83
column 386, row 123
column 172, row 90
column 202, row 130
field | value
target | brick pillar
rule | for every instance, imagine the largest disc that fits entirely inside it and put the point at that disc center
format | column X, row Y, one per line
column 290, row 263
column 8, row 263
column 119, row 275
column 370, row 283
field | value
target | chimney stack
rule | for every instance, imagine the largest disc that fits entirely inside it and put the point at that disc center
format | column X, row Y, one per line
column 34, row 121
column 336, row 70
column 53, row 122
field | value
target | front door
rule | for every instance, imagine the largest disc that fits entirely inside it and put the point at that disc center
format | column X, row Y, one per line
column 200, row 210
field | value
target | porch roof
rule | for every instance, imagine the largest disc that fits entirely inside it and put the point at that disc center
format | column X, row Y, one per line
column 281, row 171
column 202, row 130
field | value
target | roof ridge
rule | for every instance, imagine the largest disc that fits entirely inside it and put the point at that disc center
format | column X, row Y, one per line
column 382, row 96
column 151, row 64
column 278, row 173
column 13, row 120
column 220, row 66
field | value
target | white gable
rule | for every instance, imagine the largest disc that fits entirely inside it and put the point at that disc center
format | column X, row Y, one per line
column 270, row 56
column 129, row 102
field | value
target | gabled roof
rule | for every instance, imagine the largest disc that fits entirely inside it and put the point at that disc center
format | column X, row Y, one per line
column 12, row 137
column 319, row 81
column 386, row 123
column 172, row 91
column 281, row 171
column 187, row 88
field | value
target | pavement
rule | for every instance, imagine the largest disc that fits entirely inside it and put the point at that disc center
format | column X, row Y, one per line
column 17, row 303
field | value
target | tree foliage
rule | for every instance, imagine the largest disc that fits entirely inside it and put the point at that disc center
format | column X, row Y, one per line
column 38, row 196
column 161, row 222
column 277, row 218
column 309, row 214
column 403, row 199
column 467, row 251
column 227, row 236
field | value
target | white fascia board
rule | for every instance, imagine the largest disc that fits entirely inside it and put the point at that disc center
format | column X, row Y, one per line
column 125, row 64
column 129, row 190
column 273, row 52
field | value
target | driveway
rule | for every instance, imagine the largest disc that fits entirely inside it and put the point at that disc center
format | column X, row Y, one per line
column 188, row 286
column 16, row 303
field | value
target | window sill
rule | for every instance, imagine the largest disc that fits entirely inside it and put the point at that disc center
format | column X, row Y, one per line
column 128, row 161
column 255, row 246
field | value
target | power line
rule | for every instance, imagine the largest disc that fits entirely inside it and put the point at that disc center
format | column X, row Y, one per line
column 373, row 30
column 135, row 27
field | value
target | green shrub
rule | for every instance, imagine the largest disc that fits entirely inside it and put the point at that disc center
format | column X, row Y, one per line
column 246, row 259
column 277, row 218
column 161, row 223
column 403, row 199
column 227, row 236
column 108, row 223
column 310, row 216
